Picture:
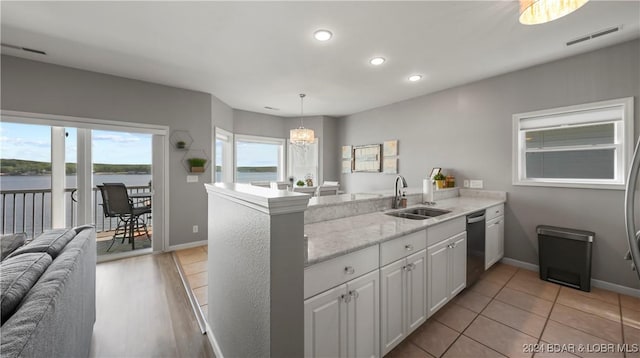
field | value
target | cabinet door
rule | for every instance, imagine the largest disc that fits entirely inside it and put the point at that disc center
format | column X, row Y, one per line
column 392, row 298
column 492, row 242
column 416, row 273
column 437, row 272
column 500, row 239
column 458, row 263
column 363, row 316
column 325, row 324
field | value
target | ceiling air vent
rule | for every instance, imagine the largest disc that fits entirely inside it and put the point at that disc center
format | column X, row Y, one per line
column 39, row 52
column 594, row 35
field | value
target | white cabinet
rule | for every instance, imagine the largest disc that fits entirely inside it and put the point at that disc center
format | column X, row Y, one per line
column 446, row 270
column 494, row 235
column 344, row 321
column 403, row 298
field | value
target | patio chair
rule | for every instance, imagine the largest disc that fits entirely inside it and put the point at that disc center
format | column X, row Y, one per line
column 117, row 204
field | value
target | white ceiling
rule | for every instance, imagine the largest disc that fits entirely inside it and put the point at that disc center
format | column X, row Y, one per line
column 256, row 54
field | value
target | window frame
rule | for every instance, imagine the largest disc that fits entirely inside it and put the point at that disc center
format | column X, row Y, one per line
column 282, row 155
column 227, row 166
column 624, row 143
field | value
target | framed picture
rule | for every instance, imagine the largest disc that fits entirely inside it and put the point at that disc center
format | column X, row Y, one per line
column 390, row 148
column 346, row 152
column 390, row 165
column 346, row 166
column 434, row 172
column 366, row 158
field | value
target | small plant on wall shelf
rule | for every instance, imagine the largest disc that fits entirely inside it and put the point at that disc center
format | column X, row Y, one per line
column 300, row 183
column 196, row 165
column 181, row 144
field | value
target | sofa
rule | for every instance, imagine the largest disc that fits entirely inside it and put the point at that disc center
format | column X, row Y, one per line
column 48, row 303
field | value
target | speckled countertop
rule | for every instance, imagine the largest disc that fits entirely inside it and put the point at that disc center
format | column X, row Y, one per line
column 332, row 238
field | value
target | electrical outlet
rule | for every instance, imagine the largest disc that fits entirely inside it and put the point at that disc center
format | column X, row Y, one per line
column 195, row 229
column 475, row 184
column 192, row 178
column 465, row 183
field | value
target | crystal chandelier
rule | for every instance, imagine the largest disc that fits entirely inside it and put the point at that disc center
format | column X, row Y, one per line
column 533, row 12
column 301, row 135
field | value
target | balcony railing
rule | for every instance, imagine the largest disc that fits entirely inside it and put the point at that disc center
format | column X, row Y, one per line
column 29, row 211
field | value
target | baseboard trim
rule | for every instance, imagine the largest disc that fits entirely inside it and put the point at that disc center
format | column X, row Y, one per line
column 521, row 264
column 187, row 245
column 595, row 283
column 214, row 343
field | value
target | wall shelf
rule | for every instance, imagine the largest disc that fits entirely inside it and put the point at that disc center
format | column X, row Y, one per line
column 180, row 140
column 195, row 153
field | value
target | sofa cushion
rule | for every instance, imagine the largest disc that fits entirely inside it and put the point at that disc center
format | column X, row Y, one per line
column 9, row 243
column 17, row 275
column 51, row 242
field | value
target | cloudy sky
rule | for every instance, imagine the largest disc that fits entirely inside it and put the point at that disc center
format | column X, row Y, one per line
column 33, row 142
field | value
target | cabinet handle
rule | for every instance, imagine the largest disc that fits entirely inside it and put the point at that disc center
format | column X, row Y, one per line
column 497, row 211
column 354, row 294
column 349, row 270
column 497, row 222
column 408, row 247
column 410, row 267
column 454, row 245
column 345, row 298
column 449, row 246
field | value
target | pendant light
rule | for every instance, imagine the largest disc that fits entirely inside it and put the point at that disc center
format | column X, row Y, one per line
column 301, row 135
column 533, row 12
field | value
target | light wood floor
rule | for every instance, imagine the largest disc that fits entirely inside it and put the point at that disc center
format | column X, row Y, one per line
column 194, row 265
column 143, row 311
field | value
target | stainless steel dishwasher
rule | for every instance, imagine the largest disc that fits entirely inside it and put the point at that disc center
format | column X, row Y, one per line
column 475, row 246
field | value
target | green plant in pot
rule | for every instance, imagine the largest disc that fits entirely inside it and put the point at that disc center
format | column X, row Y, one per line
column 300, row 183
column 196, row 165
column 181, row 144
column 440, row 180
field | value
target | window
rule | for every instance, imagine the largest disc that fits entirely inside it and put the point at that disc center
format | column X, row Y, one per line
column 584, row 146
column 259, row 159
column 224, row 156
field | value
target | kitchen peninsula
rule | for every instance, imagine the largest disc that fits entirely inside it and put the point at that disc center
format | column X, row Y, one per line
column 357, row 258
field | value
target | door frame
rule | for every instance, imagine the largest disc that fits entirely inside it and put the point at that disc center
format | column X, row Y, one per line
column 159, row 150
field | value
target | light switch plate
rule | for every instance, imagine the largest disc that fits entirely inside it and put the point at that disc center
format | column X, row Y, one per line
column 475, row 184
column 192, row 178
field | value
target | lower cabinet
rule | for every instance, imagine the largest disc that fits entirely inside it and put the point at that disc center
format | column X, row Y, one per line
column 403, row 298
column 344, row 321
column 446, row 270
column 494, row 241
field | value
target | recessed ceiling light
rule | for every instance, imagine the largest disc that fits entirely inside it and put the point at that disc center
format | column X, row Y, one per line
column 377, row 61
column 414, row 78
column 322, row 35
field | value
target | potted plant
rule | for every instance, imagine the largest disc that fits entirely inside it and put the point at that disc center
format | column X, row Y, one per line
column 440, row 180
column 197, row 164
column 300, row 183
column 181, row 144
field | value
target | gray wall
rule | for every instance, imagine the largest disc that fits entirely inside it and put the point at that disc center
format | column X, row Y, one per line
column 466, row 130
column 32, row 86
column 258, row 124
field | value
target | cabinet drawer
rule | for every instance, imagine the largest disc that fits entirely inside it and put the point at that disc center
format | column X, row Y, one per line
column 396, row 249
column 445, row 230
column 324, row 275
column 494, row 212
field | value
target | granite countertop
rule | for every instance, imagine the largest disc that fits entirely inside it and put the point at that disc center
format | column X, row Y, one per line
column 332, row 238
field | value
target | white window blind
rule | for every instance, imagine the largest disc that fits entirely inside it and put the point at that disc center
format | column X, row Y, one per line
column 579, row 146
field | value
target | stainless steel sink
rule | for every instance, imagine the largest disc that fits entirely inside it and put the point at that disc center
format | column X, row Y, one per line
column 419, row 213
column 431, row 212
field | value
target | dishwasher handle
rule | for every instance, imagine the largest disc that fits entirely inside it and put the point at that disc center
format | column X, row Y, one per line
column 476, row 217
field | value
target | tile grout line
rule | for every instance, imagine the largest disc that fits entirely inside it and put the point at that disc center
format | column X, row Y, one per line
column 478, row 315
column 546, row 322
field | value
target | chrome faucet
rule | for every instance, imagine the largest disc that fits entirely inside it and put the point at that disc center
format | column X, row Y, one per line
column 398, row 194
